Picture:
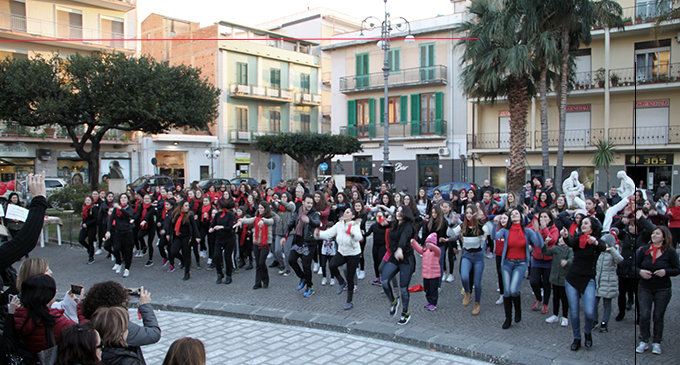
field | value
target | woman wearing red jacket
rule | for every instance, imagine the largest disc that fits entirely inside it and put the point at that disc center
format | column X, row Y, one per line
column 539, row 273
column 674, row 221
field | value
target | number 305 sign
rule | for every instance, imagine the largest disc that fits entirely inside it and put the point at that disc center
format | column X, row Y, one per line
column 646, row 159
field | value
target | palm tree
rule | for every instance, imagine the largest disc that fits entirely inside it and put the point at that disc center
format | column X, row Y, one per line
column 604, row 156
column 497, row 63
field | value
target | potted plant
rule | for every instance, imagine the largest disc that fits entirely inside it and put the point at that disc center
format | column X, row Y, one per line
column 638, row 19
column 614, row 79
column 628, row 21
column 599, row 76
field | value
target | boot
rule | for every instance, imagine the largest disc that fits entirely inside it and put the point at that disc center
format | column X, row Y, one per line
column 250, row 264
column 518, row 310
column 240, row 263
column 507, row 304
column 227, row 280
column 466, row 300
column 219, row 279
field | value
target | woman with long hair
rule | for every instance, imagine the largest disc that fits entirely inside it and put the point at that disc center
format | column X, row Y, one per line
column 186, row 351
column 674, row 219
column 498, row 250
column 541, row 265
column 112, row 324
column 386, row 204
column 473, row 234
column 284, row 208
column 119, row 231
column 146, row 216
column 102, row 221
column 580, row 281
column 361, row 216
column 423, row 204
column 88, row 230
column 164, row 245
column 80, row 344
column 223, row 227
column 411, row 204
column 183, row 229
column 437, row 224
column 656, row 263
column 204, row 216
column 35, row 316
column 263, row 236
column 402, row 260
column 212, row 193
column 378, row 230
column 323, row 208
column 13, row 225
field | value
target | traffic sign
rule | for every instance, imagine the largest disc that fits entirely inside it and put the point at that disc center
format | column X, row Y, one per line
column 323, row 166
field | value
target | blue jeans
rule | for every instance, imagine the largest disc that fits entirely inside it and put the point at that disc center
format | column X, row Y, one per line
column 470, row 260
column 607, row 305
column 660, row 298
column 405, row 269
column 513, row 273
column 588, row 298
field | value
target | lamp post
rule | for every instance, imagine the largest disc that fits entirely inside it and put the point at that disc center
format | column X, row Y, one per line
column 386, row 27
column 213, row 153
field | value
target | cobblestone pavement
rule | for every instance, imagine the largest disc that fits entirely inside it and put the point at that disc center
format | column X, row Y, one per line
column 242, row 341
column 450, row 328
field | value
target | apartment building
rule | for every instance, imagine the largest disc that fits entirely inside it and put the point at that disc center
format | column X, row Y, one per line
column 626, row 90
column 269, row 82
column 32, row 28
column 427, row 115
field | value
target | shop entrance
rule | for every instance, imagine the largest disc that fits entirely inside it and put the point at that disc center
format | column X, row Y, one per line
column 648, row 170
column 172, row 164
column 15, row 168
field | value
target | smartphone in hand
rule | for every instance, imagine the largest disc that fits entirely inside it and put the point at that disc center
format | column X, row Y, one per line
column 76, row 289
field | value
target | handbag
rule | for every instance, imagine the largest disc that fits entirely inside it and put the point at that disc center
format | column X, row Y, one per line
column 49, row 356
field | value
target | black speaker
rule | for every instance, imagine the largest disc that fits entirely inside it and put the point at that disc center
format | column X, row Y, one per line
column 388, row 174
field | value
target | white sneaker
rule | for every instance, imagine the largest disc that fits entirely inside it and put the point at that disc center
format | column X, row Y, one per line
column 552, row 319
column 270, row 256
column 98, row 252
column 324, row 281
column 500, row 301
column 320, row 272
column 113, row 258
column 126, row 273
column 139, row 253
column 117, row 270
column 565, row 322
column 656, row 348
column 201, row 254
column 642, row 347
column 209, row 261
column 315, row 267
column 450, row 278
column 332, row 281
column 362, row 275
column 116, row 267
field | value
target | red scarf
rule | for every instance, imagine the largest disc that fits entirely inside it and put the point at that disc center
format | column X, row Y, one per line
column 119, row 212
column 86, row 209
column 223, row 213
column 262, row 232
column 349, row 229
column 145, row 207
column 178, row 224
column 543, row 204
column 205, row 209
column 653, row 250
column 165, row 211
column 387, row 240
column 298, row 200
column 572, row 228
column 282, row 208
column 136, row 205
column 583, row 241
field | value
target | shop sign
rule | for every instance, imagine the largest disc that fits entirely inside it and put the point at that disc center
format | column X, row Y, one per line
column 652, row 103
column 16, row 151
column 68, row 154
column 650, row 159
column 578, row 108
column 242, row 157
column 116, row 154
column 504, row 113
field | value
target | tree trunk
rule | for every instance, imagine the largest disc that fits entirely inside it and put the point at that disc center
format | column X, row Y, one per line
column 544, row 120
column 562, row 101
column 93, row 170
column 310, row 167
column 518, row 100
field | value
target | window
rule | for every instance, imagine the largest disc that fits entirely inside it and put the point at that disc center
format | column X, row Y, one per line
column 242, row 73
column 305, row 125
column 69, row 23
column 577, row 129
column 275, row 121
column 362, row 70
column 275, row 78
column 363, row 117
column 651, row 125
column 583, row 74
column 394, row 60
column 427, row 69
column 652, row 60
column 112, row 31
column 428, row 171
column 14, row 15
column 242, row 119
column 304, row 83
column 427, row 107
column 651, row 8
column 503, row 132
column 363, row 166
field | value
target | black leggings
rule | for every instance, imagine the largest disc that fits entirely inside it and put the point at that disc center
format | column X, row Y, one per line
column 362, row 262
column 164, row 248
column 378, row 253
column 261, row 273
column 101, row 232
column 139, row 244
column 405, row 269
column 91, row 236
column 149, row 243
column 325, row 261
column 560, row 295
column 452, row 256
column 122, row 247
column 500, row 273
column 539, row 278
column 203, row 232
column 182, row 244
column 352, row 262
column 629, row 287
column 224, row 250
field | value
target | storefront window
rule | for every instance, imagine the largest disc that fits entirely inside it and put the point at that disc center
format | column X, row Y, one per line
column 15, row 168
column 172, row 164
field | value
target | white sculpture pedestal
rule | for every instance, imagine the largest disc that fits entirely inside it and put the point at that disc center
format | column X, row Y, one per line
column 117, row 186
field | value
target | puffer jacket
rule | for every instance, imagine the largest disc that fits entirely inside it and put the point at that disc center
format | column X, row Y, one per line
column 606, row 280
column 34, row 335
column 558, row 253
column 431, row 268
column 285, row 213
column 348, row 243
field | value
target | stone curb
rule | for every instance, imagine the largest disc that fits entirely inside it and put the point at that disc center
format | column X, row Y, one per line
column 417, row 336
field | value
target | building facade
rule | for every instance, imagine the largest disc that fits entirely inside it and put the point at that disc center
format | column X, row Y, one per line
column 32, row 28
column 626, row 90
column 427, row 110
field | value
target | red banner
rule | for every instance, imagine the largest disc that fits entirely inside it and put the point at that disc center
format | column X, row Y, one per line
column 578, row 108
column 652, row 103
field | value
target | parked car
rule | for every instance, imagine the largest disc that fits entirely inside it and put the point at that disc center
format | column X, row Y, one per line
column 152, row 181
column 204, row 184
column 447, row 187
column 52, row 185
column 249, row 180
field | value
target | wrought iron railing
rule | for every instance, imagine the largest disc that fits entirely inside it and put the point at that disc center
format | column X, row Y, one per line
column 572, row 138
column 426, row 129
column 406, row 77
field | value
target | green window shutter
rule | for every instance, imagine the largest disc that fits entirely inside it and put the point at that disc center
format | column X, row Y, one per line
column 382, row 111
column 439, row 105
column 371, row 118
column 415, row 114
column 404, row 109
column 352, row 118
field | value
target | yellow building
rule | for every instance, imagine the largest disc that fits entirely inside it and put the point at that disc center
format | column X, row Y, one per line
column 626, row 88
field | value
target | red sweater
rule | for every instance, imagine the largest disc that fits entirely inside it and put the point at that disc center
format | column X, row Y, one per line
column 517, row 243
column 674, row 215
column 34, row 336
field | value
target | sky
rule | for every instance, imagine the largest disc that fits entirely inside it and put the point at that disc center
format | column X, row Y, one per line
column 253, row 12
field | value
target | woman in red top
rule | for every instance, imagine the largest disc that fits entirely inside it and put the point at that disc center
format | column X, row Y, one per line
column 515, row 260
column 674, row 219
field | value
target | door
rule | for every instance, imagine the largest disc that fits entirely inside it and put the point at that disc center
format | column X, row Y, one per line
column 363, row 166
column 428, row 171
column 274, row 169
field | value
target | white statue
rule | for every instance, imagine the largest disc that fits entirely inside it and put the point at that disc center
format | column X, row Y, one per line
column 573, row 191
column 626, row 190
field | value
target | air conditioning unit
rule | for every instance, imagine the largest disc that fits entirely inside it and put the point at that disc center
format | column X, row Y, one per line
column 444, row 151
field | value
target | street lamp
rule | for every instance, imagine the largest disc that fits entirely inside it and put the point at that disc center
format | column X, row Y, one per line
column 386, row 27
column 213, row 153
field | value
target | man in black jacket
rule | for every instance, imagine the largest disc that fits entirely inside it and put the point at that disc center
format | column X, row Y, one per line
column 302, row 226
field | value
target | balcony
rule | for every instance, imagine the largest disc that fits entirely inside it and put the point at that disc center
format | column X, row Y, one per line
column 646, row 12
column 418, row 130
column 119, row 5
column 487, row 141
column 307, row 99
column 326, row 78
column 23, row 28
column 409, row 77
column 260, row 93
column 572, row 138
column 645, row 136
column 662, row 73
column 13, row 132
column 326, row 111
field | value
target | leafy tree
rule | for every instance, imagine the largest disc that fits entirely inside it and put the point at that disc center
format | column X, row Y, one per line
column 89, row 95
column 604, row 156
column 307, row 148
column 497, row 62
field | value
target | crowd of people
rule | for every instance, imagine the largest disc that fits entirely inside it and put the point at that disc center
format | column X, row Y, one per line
column 540, row 235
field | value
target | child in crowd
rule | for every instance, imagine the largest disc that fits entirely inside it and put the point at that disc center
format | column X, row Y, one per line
column 562, row 256
column 431, row 269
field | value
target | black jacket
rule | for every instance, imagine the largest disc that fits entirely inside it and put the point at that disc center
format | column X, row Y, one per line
column 121, row 356
column 92, row 218
column 629, row 244
column 24, row 242
column 227, row 221
column 122, row 224
column 186, row 230
column 149, row 217
column 400, row 237
column 308, row 229
column 103, row 215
